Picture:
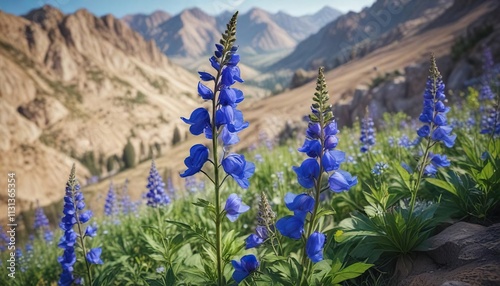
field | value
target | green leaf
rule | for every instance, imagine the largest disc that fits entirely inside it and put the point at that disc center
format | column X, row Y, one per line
column 443, row 185
column 350, row 272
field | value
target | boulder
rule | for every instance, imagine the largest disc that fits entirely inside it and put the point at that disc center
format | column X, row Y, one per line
column 462, row 254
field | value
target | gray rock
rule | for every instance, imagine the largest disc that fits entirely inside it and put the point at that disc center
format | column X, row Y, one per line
column 455, row 283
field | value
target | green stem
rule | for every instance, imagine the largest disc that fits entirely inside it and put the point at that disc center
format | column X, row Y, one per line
column 78, row 223
column 317, row 192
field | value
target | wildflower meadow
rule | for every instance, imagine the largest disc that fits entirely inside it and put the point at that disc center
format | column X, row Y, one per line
column 332, row 206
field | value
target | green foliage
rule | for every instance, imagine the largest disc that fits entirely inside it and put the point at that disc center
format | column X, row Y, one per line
column 176, row 138
column 128, row 155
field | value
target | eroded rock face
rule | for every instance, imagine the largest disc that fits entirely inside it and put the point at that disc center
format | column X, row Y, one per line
column 463, row 254
column 43, row 111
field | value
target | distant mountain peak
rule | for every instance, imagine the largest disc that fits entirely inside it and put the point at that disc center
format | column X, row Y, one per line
column 44, row 15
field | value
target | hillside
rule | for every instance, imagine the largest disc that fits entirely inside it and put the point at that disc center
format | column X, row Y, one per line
column 78, row 87
column 356, row 34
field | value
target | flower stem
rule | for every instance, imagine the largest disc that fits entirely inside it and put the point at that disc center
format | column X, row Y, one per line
column 82, row 243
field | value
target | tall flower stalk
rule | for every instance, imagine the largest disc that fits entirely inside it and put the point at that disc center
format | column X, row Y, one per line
column 435, row 129
column 75, row 216
column 221, row 125
column 320, row 144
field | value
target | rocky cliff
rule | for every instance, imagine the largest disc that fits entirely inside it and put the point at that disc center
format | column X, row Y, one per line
column 77, row 88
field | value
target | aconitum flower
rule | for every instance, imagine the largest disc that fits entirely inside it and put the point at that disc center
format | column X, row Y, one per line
column 94, row 256
column 299, row 204
column 291, row 226
column 265, row 222
column 4, row 240
column 74, row 214
column 234, row 207
column 437, row 161
column 367, row 134
column 156, row 196
column 307, row 173
column 490, row 123
column 237, row 167
column 246, row 266
column 199, row 121
column 342, row 181
column 42, row 225
column 315, row 245
column 110, row 207
column 433, row 115
column 257, row 238
column 197, row 158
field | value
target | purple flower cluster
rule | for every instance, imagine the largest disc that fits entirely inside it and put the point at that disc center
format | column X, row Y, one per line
column 321, row 142
column 41, row 224
column 110, row 207
column 367, row 134
column 228, row 120
column 292, row 226
column 436, row 128
column 156, row 196
column 243, row 268
column 75, row 214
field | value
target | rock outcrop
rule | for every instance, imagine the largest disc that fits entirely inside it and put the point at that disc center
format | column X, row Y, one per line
column 462, row 254
column 75, row 88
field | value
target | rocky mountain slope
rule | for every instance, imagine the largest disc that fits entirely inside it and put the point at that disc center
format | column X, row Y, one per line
column 77, row 88
column 356, row 34
column 143, row 23
column 191, row 33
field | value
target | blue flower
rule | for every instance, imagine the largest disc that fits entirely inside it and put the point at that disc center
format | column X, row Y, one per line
column 94, row 256
column 246, row 266
column 443, row 133
column 312, row 148
column 241, row 170
column 367, row 134
column 74, row 213
column 91, row 230
column 434, row 111
column 314, row 246
column 234, row 207
column 206, row 76
column 198, row 155
column 156, row 195
column 332, row 159
column 342, row 181
column 257, row 238
column 199, row 121
column 205, row 92
column 110, row 203
column 299, row 204
column 291, row 226
column 232, row 118
column 41, row 224
column 307, row 173
column 437, row 161
column 230, row 96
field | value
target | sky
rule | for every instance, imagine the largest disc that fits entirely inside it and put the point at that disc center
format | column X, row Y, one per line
column 213, row 7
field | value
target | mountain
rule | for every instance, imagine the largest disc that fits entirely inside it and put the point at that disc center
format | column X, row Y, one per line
column 77, row 88
column 192, row 33
column 257, row 30
column 356, row 34
column 324, row 16
column 301, row 27
column 143, row 23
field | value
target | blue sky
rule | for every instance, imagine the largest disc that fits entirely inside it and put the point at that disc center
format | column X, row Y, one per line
column 121, row 8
